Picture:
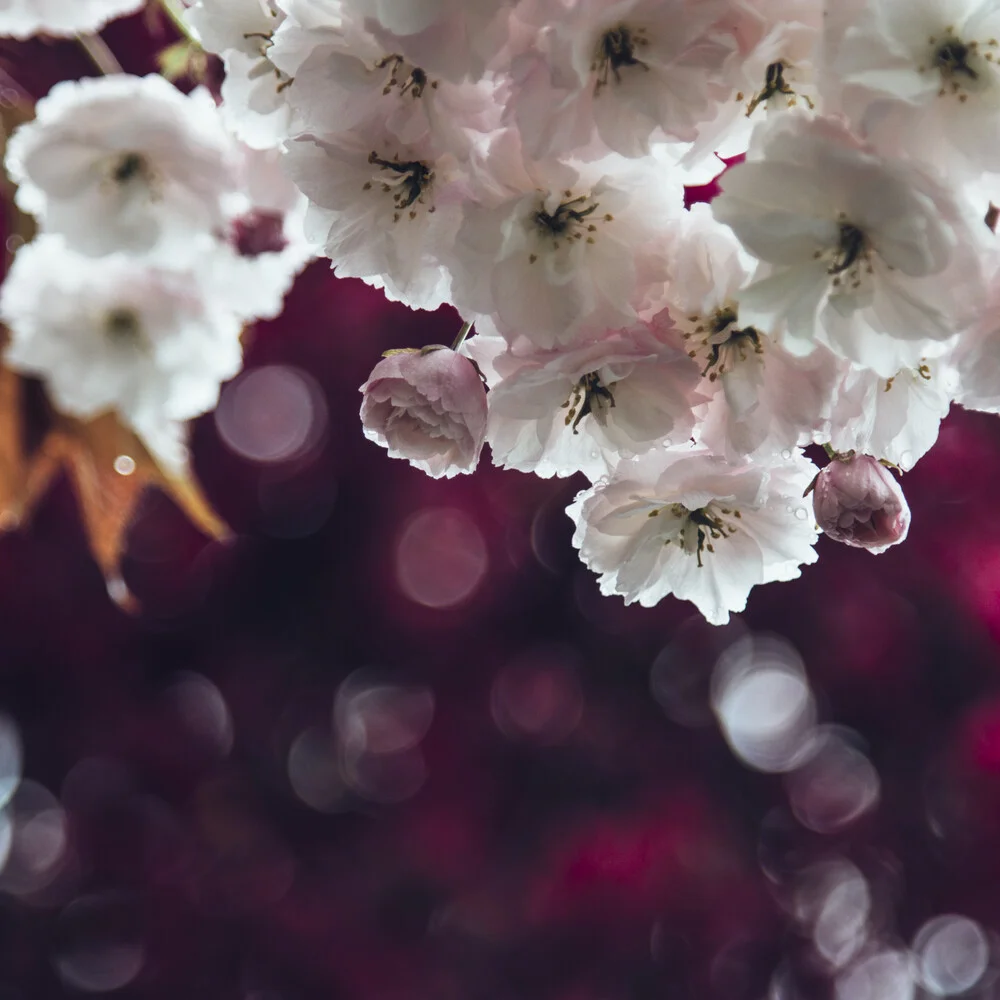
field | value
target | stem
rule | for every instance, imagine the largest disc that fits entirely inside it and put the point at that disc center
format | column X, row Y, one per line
column 830, row 453
column 175, row 11
column 462, row 334
column 100, row 55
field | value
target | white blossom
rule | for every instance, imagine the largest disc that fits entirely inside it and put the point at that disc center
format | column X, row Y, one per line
column 764, row 399
column 264, row 236
column 872, row 257
column 117, row 333
column 896, row 418
column 24, row 18
column 124, row 163
column 561, row 252
column 625, row 69
column 921, row 77
column 580, row 410
column 687, row 523
column 346, row 79
column 773, row 68
column 451, row 38
column 380, row 210
column 253, row 91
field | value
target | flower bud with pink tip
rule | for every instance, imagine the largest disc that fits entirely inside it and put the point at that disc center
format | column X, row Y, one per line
column 429, row 407
column 857, row 501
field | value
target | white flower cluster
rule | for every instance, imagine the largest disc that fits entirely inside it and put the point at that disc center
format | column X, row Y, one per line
column 160, row 236
column 525, row 160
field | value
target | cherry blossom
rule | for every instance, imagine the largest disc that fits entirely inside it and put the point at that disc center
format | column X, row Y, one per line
column 455, row 39
column 580, row 410
column 124, row 163
column 897, row 418
column 922, row 78
column 253, row 92
column 346, row 79
column 265, row 235
column 688, row 523
column 381, row 210
column 150, row 342
column 563, row 253
column 624, row 70
column 872, row 257
column 764, row 399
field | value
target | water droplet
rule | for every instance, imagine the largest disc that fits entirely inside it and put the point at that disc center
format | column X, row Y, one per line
column 124, row 465
column 801, row 513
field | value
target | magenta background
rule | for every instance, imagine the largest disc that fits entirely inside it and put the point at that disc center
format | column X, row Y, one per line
column 518, row 871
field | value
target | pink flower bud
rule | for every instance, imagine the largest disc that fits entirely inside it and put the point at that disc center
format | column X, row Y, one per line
column 859, row 502
column 429, row 407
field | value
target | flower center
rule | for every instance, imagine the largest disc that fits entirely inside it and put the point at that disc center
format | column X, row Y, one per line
column 616, row 49
column 406, row 181
column 572, row 220
column 414, row 79
column 961, row 64
column 700, row 528
column 850, row 257
column 775, row 84
column 129, row 167
column 589, row 395
column 723, row 344
column 122, row 327
column 922, row 371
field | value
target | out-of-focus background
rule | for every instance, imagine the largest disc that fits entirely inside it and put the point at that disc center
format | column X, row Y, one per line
column 392, row 744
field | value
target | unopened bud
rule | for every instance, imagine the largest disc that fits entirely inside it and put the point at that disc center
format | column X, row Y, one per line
column 429, row 407
column 859, row 502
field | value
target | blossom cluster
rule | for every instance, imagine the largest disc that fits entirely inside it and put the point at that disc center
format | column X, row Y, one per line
column 160, row 236
column 526, row 162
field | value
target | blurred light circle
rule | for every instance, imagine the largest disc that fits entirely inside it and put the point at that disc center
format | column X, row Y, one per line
column 98, row 948
column 538, row 697
column 381, row 718
column 10, row 758
column 764, row 705
column 835, row 786
column 952, row 955
column 885, row 975
column 835, row 900
column 681, row 675
column 384, row 778
column 272, row 414
column 314, row 771
column 38, row 840
column 124, row 465
column 203, row 710
column 6, row 837
column 441, row 558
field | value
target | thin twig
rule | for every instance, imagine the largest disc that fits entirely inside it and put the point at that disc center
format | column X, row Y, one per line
column 100, row 55
column 462, row 334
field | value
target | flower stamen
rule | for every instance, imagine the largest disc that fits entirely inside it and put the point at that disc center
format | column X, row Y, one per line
column 589, row 396
column 122, row 327
column 615, row 50
column 407, row 181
